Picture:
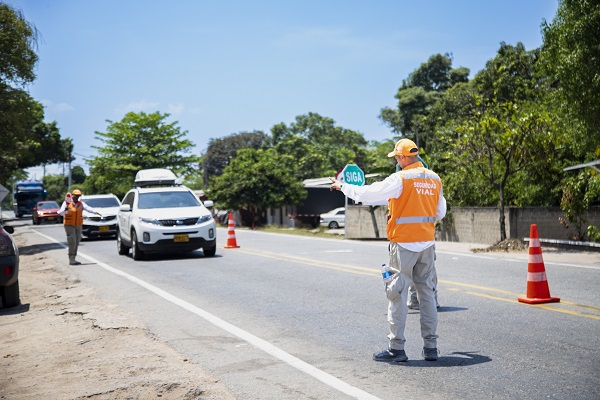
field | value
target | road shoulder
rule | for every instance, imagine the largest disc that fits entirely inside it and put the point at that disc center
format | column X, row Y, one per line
column 64, row 343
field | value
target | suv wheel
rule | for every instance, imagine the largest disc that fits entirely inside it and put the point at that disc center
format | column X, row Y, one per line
column 136, row 253
column 209, row 251
column 121, row 248
column 10, row 295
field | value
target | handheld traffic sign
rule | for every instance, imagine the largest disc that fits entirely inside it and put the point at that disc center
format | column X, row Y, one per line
column 353, row 175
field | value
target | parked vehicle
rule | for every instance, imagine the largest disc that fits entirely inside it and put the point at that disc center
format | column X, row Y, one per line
column 160, row 216
column 46, row 211
column 9, row 268
column 95, row 225
column 334, row 219
column 25, row 195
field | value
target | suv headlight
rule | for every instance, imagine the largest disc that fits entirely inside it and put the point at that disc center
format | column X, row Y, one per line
column 150, row 221
column 204, row 218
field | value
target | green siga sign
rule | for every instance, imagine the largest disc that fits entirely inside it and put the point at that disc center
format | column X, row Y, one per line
column 353, row 175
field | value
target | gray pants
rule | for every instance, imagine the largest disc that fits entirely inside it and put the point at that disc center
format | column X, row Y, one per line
column 416, row 268
column 73, row 239
column 413, row 299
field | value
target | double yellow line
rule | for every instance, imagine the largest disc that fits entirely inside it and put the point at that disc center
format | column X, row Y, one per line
column 474, row 290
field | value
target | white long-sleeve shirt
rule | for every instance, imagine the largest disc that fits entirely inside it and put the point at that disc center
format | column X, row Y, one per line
column 63, row 208
column 379, row 193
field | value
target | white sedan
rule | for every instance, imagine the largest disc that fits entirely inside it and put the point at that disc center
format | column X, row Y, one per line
column 334, row 219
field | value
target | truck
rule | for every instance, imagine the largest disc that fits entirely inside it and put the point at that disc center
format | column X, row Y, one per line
column 25, row 196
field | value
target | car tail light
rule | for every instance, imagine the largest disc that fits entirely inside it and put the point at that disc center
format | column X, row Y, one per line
column 6, row 246
column 8, row 270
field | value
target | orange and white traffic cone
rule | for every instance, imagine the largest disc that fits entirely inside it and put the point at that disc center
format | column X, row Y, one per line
column 231, row 242
column 537, row 284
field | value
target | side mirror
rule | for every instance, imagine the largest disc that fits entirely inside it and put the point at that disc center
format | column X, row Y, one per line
column 208, row 203
column 124, row 207
column 9, row 229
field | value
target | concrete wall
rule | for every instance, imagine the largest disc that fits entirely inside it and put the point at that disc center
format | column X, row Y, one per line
column 476, row 224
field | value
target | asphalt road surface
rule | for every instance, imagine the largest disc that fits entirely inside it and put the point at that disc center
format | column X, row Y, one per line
column 291, row 317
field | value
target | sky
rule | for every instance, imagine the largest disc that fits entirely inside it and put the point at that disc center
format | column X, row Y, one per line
column 224, row 67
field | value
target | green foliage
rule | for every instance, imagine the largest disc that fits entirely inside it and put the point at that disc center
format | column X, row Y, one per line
column 319, row 146
column 17, row 40
column 222, row 150
column 256, row 180
column 575, row 202
column 27, row 140
column 377, row 161
column 138, row 141
column 56, row 186
column 418, row 95
column 571, row 56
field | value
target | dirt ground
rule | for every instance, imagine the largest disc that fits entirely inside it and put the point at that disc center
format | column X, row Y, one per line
column 64, row 343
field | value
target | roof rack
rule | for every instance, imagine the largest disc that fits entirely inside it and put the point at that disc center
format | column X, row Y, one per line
column 155, row 177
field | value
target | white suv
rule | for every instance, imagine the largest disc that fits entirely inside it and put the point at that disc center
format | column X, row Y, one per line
column 160, row 216
column 106, row 225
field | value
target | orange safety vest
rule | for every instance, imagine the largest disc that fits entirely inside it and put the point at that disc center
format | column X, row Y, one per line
column 74, row 214
column 412, row 215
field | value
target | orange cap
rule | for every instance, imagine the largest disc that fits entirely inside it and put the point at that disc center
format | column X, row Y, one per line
column 404, row 147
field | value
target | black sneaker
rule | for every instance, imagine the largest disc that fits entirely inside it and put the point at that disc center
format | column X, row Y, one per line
column 391, row 355
column 430, row 354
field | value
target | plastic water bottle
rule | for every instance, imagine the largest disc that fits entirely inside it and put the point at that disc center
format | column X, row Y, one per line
column 386, row 273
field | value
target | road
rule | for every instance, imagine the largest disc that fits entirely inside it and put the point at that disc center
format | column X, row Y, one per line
column 291, row 317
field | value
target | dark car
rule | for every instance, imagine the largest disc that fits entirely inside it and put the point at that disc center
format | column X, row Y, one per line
column 46, row 211
column 9, row 268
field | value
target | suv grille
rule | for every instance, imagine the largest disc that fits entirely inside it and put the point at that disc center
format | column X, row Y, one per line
column 103, row 218
column 179, row 222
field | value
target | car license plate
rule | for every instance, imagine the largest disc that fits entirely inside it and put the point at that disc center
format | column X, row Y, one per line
column 103, row 228
column 50, row 218
column 182, row 237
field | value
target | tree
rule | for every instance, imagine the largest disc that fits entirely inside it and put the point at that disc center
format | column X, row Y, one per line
column 256, row 180
column 138, row 141
column 27, row 140
column 319, row 146
column 571, row 55
column 18, row 38
column 222, row 150
column 502, row 140
column 497, row 128
column 418, row 93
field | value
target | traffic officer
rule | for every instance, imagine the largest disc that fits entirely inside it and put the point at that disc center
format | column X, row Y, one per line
column 73, row 222
column 415, row 202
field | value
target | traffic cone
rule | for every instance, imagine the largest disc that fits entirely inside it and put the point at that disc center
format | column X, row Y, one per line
column 231, row 242
column 537, row 284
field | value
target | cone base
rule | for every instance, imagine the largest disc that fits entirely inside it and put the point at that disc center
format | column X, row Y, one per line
column 229, row 246
column 539, row 301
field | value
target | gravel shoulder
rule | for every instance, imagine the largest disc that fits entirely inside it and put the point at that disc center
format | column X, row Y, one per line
column 62, row 342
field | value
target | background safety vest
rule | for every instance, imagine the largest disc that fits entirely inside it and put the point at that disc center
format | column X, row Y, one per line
column 74, row 214
column 412, row 215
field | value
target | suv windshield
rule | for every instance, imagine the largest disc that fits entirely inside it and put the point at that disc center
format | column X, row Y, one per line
column 167, row 200
column 102, row 202
column 47, row 206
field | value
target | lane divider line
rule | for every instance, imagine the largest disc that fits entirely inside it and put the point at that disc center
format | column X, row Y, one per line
column 262, row 344
column 370, row 272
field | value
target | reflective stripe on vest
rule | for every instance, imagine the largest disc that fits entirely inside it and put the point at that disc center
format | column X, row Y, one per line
column 414, row 220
